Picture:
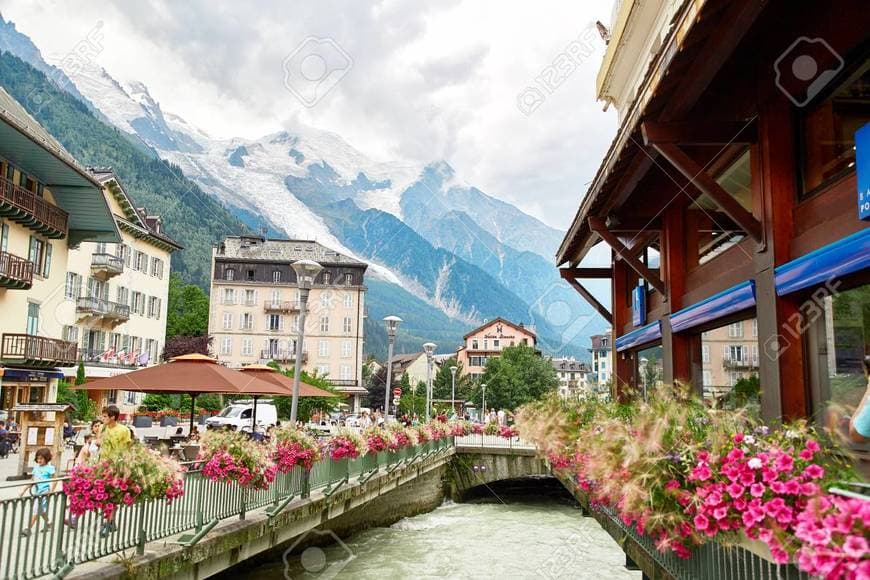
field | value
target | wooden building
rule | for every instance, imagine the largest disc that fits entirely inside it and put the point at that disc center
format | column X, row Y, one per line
column 730, row 193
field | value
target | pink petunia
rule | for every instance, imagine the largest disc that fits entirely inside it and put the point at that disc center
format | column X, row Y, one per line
column 814, row 471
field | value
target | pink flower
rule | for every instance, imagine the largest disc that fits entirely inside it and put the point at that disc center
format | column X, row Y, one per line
column 754, row 463
column 738, row 438
column 702, row 472
column 735, row 490
column 784, row 462
column 813, row 445
column 855, row 546
column 701, row 522
column 814, row 471
column 672, row 485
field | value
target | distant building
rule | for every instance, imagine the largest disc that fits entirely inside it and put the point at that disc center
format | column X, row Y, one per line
column 728, row 353
column 413, row 365
column 487, row 341
column 255, row 306
column 572, row 375
column 602, row 360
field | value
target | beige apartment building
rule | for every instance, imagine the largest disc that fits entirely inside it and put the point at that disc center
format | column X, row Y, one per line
column 255, row 307
column 48, row 203
column 573, row 377
column 488, row 340
column 115, row 295
column 728, row 353
column 602, row 361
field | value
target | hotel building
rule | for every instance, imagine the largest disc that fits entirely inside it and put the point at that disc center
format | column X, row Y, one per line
column 602, row 360
column 116, row 296
column 255, row 306
column 572, row 375
column 487, row 341
column 735, row 195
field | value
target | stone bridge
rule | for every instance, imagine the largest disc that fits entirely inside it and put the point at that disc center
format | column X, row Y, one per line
column 481, row 460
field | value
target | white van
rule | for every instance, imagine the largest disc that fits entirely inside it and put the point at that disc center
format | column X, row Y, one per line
column 238, row 415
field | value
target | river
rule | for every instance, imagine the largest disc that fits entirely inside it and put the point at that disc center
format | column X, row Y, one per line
column 521, row 533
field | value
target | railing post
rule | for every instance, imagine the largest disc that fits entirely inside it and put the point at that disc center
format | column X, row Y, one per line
column 200, row 518
column 306, row 483
column 140, row 543
column 244, row 503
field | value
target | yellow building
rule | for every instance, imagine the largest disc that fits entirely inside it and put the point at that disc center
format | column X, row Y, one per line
column 255, row 306
column 116, row 295
column 48, row 204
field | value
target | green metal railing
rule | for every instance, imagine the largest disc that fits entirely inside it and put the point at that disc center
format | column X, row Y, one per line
column 55, row 544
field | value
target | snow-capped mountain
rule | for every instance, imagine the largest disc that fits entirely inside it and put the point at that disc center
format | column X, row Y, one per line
column 436, row 244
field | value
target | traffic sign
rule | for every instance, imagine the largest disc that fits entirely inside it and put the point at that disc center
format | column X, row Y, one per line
column 397, row 392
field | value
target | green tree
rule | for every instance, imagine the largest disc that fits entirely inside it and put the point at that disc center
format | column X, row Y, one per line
column 307, row 405
column 413, row 400
column 518, row 376
column 187, row 309
column 442, row 384
column 85, row 407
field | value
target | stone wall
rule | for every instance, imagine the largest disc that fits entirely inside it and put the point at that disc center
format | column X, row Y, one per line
column 470, row 469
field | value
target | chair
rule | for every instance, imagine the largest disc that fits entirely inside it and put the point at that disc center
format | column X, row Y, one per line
column 152, row 441
column 190, row 452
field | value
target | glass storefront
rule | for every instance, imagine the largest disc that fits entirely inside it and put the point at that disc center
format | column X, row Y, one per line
column 649, row 370
column 729, row 363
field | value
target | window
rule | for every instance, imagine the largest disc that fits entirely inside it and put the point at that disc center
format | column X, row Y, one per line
column 708, row 379
column 735, row 330
column 326, row 299
column 705, row 354
column 755, row 328
column 157, row 267
column 229, row 274
column 324, row 324
column 4, row 237
column 348, row 300
column 32, row 318
column 247, row 347
column 348, row 279
column 275, row 322
column 322, row 370
column 226, row 346
column 347, row 325
column 294, row 327
column 327, row 277
column 250, row 298
column 250, row 276
column 71, row 333
column 228, row 320
column 275, row 298
column 141, row 262
column 495, row 343
column 154, row 307
column 345, row 373
column 828, row 131
column 73, row 287
column 735, row 353
column 323, row 348
column 346, row 349
column 714, row 234
column 40, row 255
column 229, row 296
column 123, row 295
column 137, row 304
column 276, row 276
column 247, row 321
column 474, row 344
column 123, row 251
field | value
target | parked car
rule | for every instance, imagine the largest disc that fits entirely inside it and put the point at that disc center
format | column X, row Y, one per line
column 238, row 416
column 351, row 421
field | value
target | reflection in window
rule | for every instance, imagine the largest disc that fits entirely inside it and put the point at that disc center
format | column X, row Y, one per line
column 716, row 232
column 847, row 341
column 649, row 370
column 729, row 362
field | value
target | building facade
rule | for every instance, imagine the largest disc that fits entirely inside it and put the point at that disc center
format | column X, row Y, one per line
column 48, row 204
column 116, row 296
column 602, row 360
column 735, row 190
column 573, row 375
column 414, row 365
column 487, row 341
column 255, row 307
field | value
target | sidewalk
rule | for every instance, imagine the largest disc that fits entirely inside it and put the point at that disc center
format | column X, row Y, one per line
column 9, row 467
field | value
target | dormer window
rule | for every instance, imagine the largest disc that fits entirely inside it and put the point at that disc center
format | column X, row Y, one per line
column 348, row 279
column 229, row 274
column 276, row 276
column 250, row 275
column 327, row 277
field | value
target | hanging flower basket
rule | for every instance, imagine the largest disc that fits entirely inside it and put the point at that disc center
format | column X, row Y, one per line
column 346, row 444
column 233, row 457
column 137, row 475
column 293, row 447
column 377, row 440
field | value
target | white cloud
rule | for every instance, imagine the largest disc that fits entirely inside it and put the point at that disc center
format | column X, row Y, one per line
column 429, row 80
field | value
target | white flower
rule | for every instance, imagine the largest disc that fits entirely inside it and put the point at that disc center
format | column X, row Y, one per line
column 754, row 463
column 749, row 439
column 791, row 434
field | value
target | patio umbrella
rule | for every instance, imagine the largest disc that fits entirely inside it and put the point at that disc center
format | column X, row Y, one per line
column 281, row 381
column 192, row 374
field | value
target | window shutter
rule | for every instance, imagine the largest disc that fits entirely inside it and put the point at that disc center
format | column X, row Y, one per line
column 727, row 353
column 280, row 322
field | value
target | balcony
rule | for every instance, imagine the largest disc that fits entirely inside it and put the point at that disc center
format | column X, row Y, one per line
column 31, row 350
column 283, row 306
column 15, row 273
column 104, row 266
column 282, row 355
column 111, row 311
column 110, row 358
column 746, row 363
column 30, row 210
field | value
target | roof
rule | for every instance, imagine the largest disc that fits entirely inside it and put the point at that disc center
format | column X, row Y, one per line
column 274, row 250
column 568, row 364
column 403, row 361
column 135, row 220
column 499, row 320
column 270, row 375
column 29, row 146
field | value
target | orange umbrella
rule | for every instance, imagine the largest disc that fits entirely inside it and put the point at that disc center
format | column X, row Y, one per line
column 270, row 375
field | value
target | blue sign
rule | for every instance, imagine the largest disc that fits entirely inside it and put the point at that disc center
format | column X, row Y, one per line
column 638, row 306
column 862, row 161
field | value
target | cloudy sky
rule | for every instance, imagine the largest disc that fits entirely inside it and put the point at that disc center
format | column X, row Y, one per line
column 408, row 81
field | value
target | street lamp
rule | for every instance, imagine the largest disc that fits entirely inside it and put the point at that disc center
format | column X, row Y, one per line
column 429, row 349
column 453, row 389
column 306, row 272
column 392, row 325
column 483, row 404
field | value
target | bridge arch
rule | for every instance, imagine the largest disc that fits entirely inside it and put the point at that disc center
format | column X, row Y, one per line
column 473, row 468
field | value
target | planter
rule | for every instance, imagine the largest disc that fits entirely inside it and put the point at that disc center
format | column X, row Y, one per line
column 168, row 421
column 142, row 422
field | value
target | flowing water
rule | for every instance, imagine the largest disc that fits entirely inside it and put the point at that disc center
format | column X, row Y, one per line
column 520, row 534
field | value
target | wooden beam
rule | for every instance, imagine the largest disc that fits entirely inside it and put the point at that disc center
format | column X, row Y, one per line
column 574, row 273
column 623, row 253
column 602, row 310
column 700, row 132
column 704, row 182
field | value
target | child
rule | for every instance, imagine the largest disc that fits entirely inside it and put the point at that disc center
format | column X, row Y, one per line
column 43, row 471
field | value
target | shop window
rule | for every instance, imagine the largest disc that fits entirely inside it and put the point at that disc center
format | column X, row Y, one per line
column 845, row 341
column 828, row 131
column 649, row 370
column 729, row 363
column 715, row 231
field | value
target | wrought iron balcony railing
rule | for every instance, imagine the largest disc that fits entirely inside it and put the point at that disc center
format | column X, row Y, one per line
column 105, row 308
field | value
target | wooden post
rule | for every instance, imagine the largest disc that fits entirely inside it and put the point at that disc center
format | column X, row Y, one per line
column 623, row 369
column 677, row 348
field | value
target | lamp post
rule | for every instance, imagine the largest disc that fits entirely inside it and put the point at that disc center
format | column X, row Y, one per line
column 483, row 404
column 392, row 325
column 429, row 349
column 306, row 272
column 453, row 389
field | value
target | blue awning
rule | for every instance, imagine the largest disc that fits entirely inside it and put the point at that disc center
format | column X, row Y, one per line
column 649, row 333
column 846, row 256
column 720, row 305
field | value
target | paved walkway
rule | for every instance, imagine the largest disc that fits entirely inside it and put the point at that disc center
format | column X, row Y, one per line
column 9, row 467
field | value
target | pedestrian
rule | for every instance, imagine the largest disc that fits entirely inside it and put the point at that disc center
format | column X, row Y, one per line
column 501, row 417
column 859, row 425
column 115, row 438
column 94, row 445
column 43, row 471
